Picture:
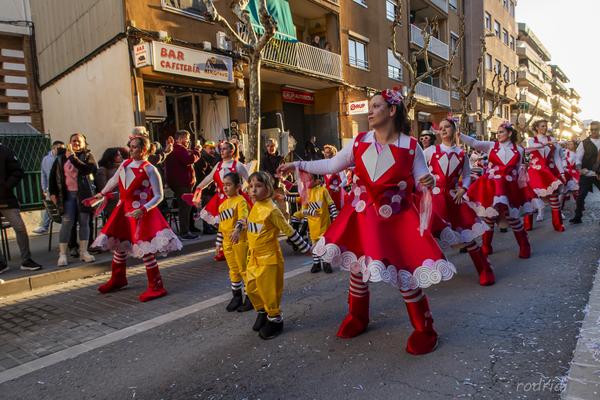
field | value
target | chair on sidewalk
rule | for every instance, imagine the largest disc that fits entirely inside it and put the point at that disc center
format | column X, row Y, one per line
column 171, row 209
column 4, row 225
column 55, row 218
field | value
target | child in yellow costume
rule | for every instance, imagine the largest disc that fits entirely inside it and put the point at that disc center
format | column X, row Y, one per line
column 231, row 238
column 264, row 272
column 318, row 213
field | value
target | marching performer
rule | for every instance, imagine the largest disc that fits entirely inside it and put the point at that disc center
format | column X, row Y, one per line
column 449, row 165
column 572, row 174
column 546, row 174
column 136, row 227
column 376, row 235
column 501, row 191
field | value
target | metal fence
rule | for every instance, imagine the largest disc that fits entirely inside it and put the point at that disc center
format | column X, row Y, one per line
column 29, row 149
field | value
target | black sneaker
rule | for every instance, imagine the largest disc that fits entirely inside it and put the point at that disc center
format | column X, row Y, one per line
column 261, row 320
column 236, row 301
column 247, row 306
column 30, row 265
column 315, row 268
column 188, row 236
column 271, row 330
column 3, row 268
column 575, row 220
column 95, row 250
column 327, row 268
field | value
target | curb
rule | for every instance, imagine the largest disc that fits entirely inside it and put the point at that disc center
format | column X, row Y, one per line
column 29, row 283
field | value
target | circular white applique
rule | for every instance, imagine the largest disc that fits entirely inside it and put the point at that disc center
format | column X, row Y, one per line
column 357, row 191
column 355, row 144
column 402, row 185
column 508, row 178
column 436, row 190
column 551, row 165
column 411, row 152
column 135, row 204
column 360, row 206
column 146, row 183
column 396, row 198
column 385, row 211
column 143, row 196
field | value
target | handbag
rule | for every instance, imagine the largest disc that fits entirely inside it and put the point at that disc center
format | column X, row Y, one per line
column 53, row 211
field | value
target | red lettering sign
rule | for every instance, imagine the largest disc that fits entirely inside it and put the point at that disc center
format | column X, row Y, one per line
column 290, row 95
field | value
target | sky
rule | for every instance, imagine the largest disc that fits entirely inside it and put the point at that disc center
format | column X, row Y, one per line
column 570, row 30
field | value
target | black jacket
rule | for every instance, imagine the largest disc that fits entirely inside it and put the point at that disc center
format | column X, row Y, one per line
column 269, row 163
column 11, row 174
column 86, row 166
column 591, row 156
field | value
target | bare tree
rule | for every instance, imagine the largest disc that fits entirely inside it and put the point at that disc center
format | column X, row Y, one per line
column 251, row 44
column 410, row 63
column 498, row 96
column 524, row 127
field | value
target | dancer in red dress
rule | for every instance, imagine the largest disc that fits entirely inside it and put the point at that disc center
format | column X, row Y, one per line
column 546, row 174
column 571, row 172
column 376, row 235
column 335, row 183
column 452, row 172
column 502, row 191
column 136, row 227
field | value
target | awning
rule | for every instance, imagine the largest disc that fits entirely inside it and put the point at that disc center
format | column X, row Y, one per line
column 281, row 13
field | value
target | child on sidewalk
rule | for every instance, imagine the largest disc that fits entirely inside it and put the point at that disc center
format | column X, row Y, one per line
column 232, row 240
column 264, row 272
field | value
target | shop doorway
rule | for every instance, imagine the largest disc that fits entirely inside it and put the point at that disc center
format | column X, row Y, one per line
column 295, row 123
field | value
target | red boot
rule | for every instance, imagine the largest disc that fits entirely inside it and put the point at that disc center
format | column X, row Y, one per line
column 118, row 279
column 557, row 221
column 424, row 338
column 220, row 256
column 155, row 286
column 486, row 243
column 357, row 319
column 483, row 267
column 528, row 222
column 524, row 247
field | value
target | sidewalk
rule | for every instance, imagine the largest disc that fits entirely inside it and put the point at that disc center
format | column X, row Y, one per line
column 16, row 281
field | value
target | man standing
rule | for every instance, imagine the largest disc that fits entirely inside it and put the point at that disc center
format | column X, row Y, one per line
column 179, row 168
column 11, row 174
column 47, row 163
column 588, row 158
column 271, row 160
column 311, row 150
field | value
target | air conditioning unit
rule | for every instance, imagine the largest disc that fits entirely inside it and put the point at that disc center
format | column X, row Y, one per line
column 156, row 102
column 223, row 42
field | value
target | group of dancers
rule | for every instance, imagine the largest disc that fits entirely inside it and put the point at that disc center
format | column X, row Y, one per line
column 405, row 205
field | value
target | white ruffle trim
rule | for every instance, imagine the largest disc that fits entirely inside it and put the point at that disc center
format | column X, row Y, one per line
column 164, row 242
column 491, row 212
column 430, row 273
column 450, row 237
column 209, row 218
column 549, row 190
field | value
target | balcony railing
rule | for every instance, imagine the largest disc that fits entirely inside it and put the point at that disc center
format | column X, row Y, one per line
column 433, row 93
column 532, row 99
column 436, row 46
column 303, row 57
column 443, row 4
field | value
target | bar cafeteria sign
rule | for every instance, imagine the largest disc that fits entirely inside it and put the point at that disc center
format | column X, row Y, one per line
column 195, row 63
column 297, row 96
column 358, row 107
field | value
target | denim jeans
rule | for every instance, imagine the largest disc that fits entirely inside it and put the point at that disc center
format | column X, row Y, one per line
column 71, row 214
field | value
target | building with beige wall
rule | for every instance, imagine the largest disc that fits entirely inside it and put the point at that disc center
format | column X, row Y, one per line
column 494, row 19
column 565, row 107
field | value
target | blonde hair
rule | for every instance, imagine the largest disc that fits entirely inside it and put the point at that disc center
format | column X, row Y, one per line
column 331, row 148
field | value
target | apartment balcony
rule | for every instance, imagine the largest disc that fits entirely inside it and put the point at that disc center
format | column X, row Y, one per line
column 436, row 46
column 433, row 94
column 302, row 57
column 424, row 8
column 532, row 100
column 525, row 76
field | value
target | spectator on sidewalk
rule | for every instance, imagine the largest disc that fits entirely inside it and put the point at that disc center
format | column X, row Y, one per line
column 46, row 167
column 311, row 150
column 271, row 160
column 208, row 159
column 588, row 161
column 11, row 174
column 71, row 181
column 426, row 139
column 181, row 177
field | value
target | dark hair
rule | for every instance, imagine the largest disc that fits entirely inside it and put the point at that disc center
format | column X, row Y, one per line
column 108, row 157
column 124, row 152
column 264, row 178
column 451, row 122
column 536, row 123
column 235, row 178
column 57, row 143
column 85, row 142
column 233, row 148
column 401, row 121
column 181, row 133
column 514, row 135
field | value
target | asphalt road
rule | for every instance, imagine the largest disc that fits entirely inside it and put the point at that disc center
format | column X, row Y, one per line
column 509, row 341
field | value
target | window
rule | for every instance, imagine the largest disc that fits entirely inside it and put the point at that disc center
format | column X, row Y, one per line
column 506, row 74
column 505, row 36
column 498, row 67
column 512, row 43
column 488, row 62
column 357, row 54
column 490, row 105
column 512, row 8
column 394, row 66
column 192, row 8
column 513, row 76
column 497, row 29
column 391, row 9
column 505, row 4
column 453, row 5
column 498, row 111
column 361, row 2
column 453, row 41
column 488, row 21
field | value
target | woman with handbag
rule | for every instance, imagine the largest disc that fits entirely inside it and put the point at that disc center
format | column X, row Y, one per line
column 70, row 182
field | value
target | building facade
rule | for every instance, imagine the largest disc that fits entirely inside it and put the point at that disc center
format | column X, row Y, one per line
column 565, row 107
column 19, row 91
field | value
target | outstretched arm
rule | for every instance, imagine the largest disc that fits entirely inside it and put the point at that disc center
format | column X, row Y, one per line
column 479, row 145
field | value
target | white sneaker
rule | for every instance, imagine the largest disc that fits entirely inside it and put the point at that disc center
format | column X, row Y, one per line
column 540, row 217
column 40, row 230
column 62, row 261
column 87, row 257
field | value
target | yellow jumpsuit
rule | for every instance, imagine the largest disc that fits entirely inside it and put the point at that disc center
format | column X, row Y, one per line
column 231, row 211
column 316, row 212
column 264, row 272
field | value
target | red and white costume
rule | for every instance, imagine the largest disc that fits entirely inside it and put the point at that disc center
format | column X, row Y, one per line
column 502, row 191
column 335, row 184
column 571, row 172
column 140, row 188
column 210, row 213
column 376, row 235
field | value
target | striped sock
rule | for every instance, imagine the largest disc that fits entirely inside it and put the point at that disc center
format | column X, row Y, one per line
column 316, row 259
column 119, row 257
column 516, row 224
column 150, row 261
column 358, row 288
column 472, row 246
column 554, row 201
column 412, row 296
column 237, row 285
column 277, row 319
